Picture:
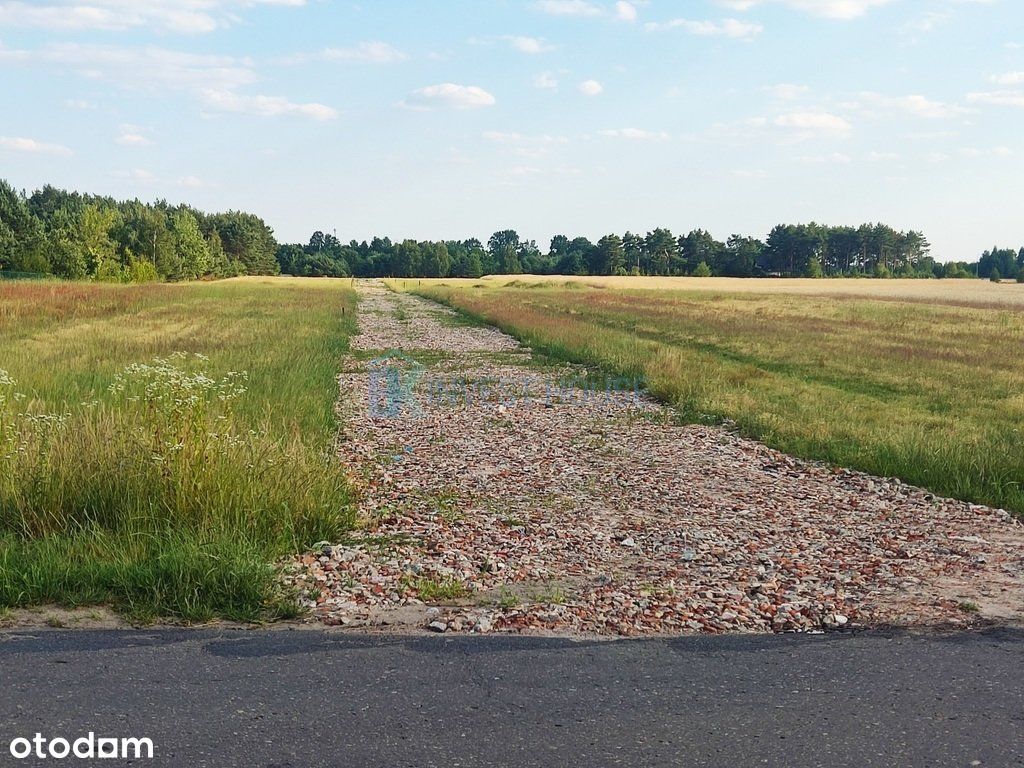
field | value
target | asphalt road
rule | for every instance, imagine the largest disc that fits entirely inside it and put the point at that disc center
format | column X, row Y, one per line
column 311, row 698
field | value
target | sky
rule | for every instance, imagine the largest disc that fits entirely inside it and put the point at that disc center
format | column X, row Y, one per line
column 444, row 119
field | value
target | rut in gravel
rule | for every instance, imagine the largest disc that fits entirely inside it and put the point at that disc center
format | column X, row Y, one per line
column 499, row 494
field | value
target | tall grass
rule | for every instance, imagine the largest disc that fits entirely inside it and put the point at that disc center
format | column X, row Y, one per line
column 932, row 393
column 168, row 484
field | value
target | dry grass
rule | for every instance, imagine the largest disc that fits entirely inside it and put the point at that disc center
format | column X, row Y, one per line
column 929, row 391
column 957, row 292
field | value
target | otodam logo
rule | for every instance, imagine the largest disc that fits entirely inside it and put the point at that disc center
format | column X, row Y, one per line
column 88, row 747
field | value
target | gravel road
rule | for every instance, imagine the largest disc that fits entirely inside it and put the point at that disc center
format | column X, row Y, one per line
column 502, row 495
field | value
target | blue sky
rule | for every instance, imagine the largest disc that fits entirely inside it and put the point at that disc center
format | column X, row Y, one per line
column 444, row 119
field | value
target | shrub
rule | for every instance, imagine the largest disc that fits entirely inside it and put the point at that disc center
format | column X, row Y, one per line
column 109, row 271
column 142, row 271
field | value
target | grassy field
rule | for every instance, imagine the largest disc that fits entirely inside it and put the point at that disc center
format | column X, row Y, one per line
column 921, row 380
column 162, row 445
column 975, row 293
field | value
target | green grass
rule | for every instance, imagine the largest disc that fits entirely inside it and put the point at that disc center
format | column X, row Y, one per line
column 439, row 589
column 161, row 446
column 927, row 388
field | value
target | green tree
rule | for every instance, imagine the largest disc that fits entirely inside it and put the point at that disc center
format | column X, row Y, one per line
column 142, row 271
column 503, row 248
column 407, row 259
column 111, row 271
column 220, row 264
column 740, row 257
column 21, row 234
column 249, row 241
column 662, row 251
column 531, row 260
column 633, row 249
column 435, row 261
column 67, row 259
column 611, row 256
column 696, row 247
column 143, row 233
column 95, row 226
column 193, row 254
column 291, row 258
column 466, row 257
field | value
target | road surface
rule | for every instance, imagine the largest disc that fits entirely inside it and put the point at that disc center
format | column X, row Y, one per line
column 309, row 698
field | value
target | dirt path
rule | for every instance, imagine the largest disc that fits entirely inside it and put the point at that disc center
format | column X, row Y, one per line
column 497, row 497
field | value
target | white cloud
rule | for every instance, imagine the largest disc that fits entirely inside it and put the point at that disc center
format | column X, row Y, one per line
column 1010, row 78
column 807, row 125
column 525, row 170
column 450, row 95
column 998, row 98
column 511, row 137
column 132, row 136
column 833, row 158
column 733, row 28
column 532, row 171
column 526, row 146
column 635, row 134
column 213, row 79
column 545, row 81
column 622, row 10
column 532, row 45
column 176, row 16
column 926, row 23
column 142, row 176
column 569, row 8
column 625, row 11
column 372, row 52
column 148, row 68
column 914, row 104
column 264, row 106
column 786, row 91
column 31, row 146
column 591, row 88
column 831, row 9
column 190, row 182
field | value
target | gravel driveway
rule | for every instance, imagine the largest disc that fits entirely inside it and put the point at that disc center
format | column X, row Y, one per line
column 498, row 494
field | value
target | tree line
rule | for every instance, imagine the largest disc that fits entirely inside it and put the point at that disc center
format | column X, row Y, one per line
column 1000, row 264
column 75, row 237
column 803, row 250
